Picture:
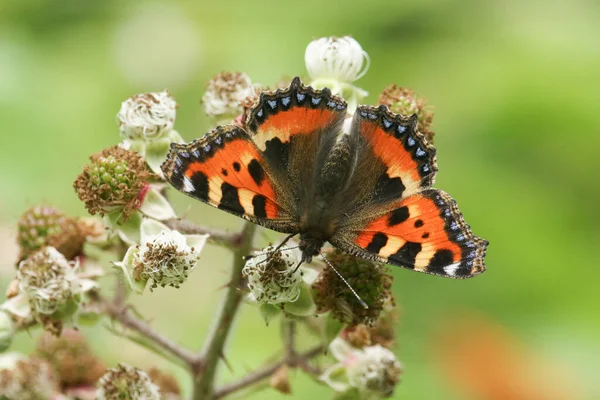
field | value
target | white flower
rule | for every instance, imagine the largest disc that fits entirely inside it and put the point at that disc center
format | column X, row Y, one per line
column 126, row 382
column 340, row 59
column 225, row 92
column 47, row 282
column 165, row 257
column 147, row 116
column 374, row 370
column 273, row 277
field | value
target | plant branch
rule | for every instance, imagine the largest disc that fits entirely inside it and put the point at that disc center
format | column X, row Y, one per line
column 265, row 372
column 124, row 316
column 217, row 236
column 213, row 348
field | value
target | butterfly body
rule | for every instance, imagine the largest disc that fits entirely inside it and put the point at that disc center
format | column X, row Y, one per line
column 362, row 183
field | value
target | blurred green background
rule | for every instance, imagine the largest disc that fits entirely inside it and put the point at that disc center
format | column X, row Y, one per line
column 516, row 91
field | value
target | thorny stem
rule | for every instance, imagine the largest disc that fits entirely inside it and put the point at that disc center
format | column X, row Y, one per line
column 124, row 316
column 217, row 236
column 266, row 371
column 213, row 348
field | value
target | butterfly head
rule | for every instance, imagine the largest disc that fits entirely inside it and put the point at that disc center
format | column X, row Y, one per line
column 310, row 246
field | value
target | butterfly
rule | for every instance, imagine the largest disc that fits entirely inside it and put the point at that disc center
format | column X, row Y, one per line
column 361, row 183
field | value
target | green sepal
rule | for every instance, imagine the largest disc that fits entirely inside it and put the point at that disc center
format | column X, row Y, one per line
column 305, row 304
column 268, row 312
column 156, row 206
column 332, row 328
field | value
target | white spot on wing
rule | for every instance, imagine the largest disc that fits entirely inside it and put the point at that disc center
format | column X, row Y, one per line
column 188, row 186
column 451, row 269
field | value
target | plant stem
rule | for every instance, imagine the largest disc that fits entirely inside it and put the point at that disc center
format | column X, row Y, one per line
column 213, row 348
column 125, row 317
column 264, row 372
column 217, row 236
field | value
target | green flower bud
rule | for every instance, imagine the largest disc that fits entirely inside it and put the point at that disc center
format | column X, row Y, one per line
column 115, row 181
column 46, row 226
column 370, row 280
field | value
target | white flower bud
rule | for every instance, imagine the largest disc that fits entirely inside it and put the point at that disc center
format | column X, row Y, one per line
column 375, row 369
column 147, row 116
column 225, row 92
column 273, row 277
column 46, row 278
column 166, row 258
column 126, row 382
column 340, row 59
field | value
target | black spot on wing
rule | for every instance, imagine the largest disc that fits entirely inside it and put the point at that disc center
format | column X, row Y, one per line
column 387, row 187
column 259, row 203
column 237, row 166
column 230, row 199
column 277, row 152
column 418, row 223
column 379, row 240
column 398, row 216
column 407, row 254
column 200, row 183
column 441, row 259
column 256, row 172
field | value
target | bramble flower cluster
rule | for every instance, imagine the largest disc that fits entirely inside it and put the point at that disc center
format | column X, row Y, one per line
column 56, row 282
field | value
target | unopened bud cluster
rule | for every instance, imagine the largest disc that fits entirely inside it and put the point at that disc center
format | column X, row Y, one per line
column 370, row 280
column 46, row 226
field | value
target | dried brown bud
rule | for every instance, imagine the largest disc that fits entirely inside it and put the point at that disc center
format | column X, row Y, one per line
column 167, row 384
column 71, row 358
column 406, row 102
column 46, row 226
column 280, row 380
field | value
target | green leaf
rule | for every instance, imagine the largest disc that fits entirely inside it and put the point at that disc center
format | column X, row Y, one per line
column 156, row 206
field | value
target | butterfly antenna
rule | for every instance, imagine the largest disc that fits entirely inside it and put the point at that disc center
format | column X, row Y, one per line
column 361, row 301
column 248, row 257
column 275, row 250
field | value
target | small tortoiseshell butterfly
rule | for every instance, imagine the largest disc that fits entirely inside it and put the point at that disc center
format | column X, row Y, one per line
column 367, row 191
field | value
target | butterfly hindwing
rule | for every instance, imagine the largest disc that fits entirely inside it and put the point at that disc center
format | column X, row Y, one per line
column 226, row 170
column 425, row 232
